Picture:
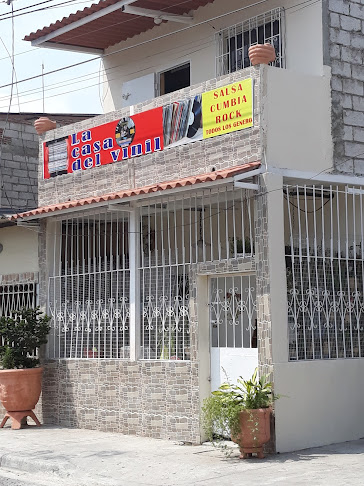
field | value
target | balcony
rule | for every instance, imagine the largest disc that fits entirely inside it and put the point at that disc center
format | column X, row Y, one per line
column 289, row 109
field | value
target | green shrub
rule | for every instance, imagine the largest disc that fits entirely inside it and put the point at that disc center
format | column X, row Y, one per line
column 21, row 337
column 220, row 411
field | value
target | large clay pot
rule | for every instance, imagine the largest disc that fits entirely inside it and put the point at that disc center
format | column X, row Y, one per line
column 261, row 54
column 255, row 431
column 19, row 393
column 43, row 124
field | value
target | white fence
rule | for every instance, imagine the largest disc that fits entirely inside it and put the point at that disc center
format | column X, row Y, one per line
column 89, row 283
column 325, row 271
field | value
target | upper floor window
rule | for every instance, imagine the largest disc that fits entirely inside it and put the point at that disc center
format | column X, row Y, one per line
column 174, row 79
column 233, row 42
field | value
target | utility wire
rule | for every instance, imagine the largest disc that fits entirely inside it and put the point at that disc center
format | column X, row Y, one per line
column 66, row 83
column 142, row 43
column 2, row 187
column 96, row 84
column 6, row 16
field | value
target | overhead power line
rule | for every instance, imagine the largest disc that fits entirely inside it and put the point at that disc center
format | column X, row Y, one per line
column 142, row 43
column 7, row 16
column 306, row 3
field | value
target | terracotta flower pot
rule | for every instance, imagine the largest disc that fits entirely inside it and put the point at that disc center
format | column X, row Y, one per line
column 261, row 54
column 43, row 124
column 255, row 432
column 19, row 393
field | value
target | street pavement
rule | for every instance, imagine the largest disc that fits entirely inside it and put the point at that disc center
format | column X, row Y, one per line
column 54, row 456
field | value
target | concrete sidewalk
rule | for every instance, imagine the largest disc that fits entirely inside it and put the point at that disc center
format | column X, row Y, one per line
column 84, row 457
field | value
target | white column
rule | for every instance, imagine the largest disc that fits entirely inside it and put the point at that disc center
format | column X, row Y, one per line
column 134, row 250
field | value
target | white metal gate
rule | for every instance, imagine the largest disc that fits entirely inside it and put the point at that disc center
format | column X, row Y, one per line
column 233, row 328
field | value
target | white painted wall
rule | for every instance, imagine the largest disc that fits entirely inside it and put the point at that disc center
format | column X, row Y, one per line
column 296, row 120
column 324, row 403
column 197, row 45
column 20, row 253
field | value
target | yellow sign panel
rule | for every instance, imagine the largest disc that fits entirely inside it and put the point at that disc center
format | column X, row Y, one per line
column 227, row 109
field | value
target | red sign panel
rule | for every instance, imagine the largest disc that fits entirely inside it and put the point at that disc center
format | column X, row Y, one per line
column 115, row 141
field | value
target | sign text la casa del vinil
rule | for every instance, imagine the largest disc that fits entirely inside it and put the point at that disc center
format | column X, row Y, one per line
column 217, row 112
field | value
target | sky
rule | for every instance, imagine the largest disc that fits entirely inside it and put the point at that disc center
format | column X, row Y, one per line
column 74, row 90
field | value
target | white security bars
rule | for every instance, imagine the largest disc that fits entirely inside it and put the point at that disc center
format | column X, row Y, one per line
column 89, row 287
column 177, row 233
column 89, row 282
column 233, row 42
column 325, row 271
column 233, row 312
column 14, row 297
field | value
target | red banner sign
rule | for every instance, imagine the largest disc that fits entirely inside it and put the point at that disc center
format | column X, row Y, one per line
column 115, row 141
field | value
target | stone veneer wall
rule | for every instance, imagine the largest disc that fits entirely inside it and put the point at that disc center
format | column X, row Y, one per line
column 263, row 282
column 155, row 399
column 191, row 159
column 264, row 318
column 151, row 398
column 344, row 44
column 158, row 399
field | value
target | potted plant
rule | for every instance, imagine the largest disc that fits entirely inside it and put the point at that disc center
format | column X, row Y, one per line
column 20, row 374
column 242, row 247
column 242, row 412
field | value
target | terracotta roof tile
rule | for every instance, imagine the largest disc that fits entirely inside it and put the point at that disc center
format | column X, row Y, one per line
column 162, row 186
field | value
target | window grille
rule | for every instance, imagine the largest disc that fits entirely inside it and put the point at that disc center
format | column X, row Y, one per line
column 325, row 272
column 233, row 42
column 89, row 283
column 89, row 288
column 14, row 297
column 233, row 309
column 178, row 232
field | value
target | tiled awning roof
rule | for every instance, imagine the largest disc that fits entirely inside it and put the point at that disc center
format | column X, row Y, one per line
column 123, row 195
column 105, row 23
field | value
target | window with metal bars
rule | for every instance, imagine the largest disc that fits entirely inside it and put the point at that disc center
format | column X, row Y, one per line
column 89, row 282
column 89, row 288
column 14, row 297
column 324, row 228
column 178, row 232
column 233, row 42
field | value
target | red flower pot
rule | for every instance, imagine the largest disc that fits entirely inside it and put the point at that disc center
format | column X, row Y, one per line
column 261, row 54
column 254, row 432
column 19, row 393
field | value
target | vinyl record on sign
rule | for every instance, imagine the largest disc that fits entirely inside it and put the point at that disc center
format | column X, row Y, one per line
column 125, row 132
column 194, row 121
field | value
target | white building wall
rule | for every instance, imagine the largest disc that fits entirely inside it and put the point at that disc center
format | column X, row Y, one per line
column 296, row 120
column 322, row 404
column 20, row 250
column 303, row 40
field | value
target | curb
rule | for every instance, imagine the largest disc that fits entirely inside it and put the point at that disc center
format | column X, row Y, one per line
column 33, row 465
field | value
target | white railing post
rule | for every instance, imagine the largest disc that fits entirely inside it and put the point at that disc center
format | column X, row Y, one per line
column 134, row 250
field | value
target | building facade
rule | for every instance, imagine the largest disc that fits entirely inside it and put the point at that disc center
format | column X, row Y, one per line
column 182, row 237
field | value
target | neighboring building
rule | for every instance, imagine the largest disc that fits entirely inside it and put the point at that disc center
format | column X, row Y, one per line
column 18, row 192
column 19, row 155
column 168, row 253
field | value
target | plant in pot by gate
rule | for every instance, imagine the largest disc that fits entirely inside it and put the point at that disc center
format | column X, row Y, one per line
column 241, row 411
column 20, row 374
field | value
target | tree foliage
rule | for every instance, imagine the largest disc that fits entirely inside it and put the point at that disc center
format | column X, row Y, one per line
column 21, row 336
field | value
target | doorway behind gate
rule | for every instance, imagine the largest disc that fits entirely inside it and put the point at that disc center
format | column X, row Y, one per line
column 233, row 328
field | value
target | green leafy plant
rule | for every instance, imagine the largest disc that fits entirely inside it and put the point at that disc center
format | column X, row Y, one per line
column 241, row 247
column 221, row 410
column 21, row 336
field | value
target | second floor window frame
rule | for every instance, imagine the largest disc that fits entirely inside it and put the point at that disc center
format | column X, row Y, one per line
column 232, row 43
